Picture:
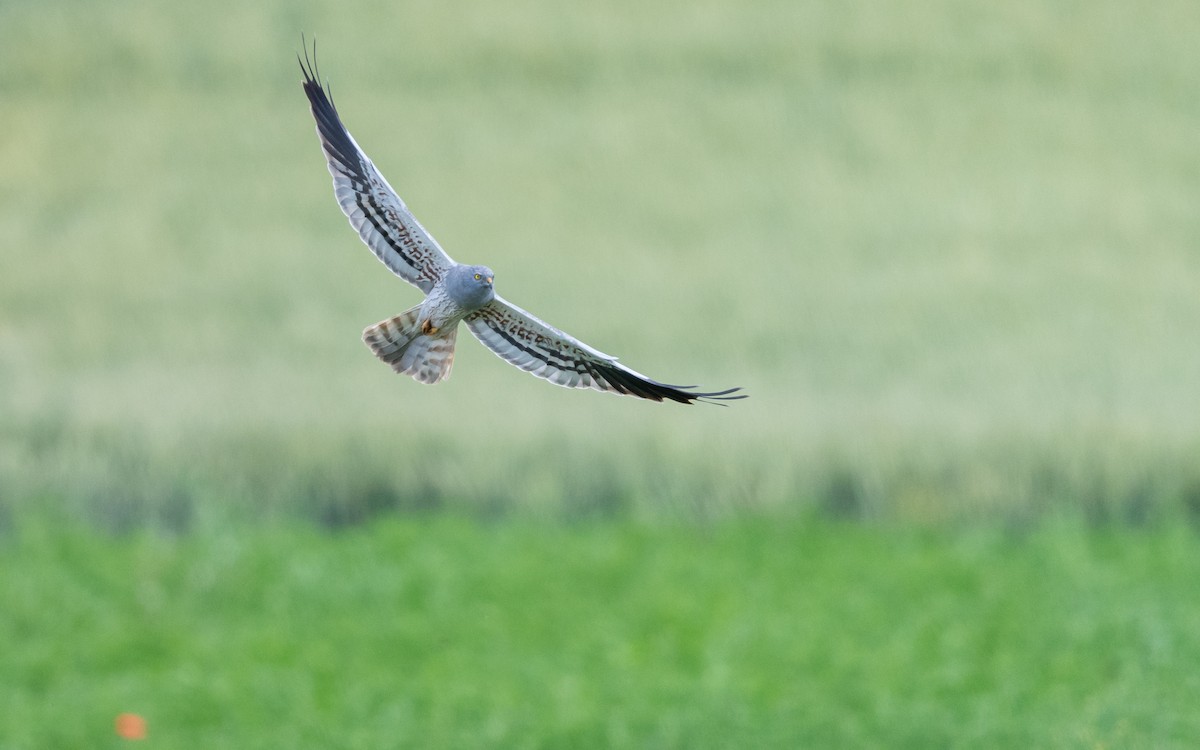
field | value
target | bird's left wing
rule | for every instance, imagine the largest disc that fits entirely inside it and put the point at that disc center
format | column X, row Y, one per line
column 522, row 340
column 382, row 220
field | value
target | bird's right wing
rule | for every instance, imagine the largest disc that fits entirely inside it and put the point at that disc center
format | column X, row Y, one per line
column 382, row 220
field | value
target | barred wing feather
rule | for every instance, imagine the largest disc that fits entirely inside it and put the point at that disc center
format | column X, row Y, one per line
column 526, row 342
column 375, row 211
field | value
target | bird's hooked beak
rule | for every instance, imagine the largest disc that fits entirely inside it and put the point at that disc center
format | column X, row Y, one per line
column 488, row 279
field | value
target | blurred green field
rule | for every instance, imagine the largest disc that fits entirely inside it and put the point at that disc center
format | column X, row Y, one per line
column 445, row 633
column 951, row 249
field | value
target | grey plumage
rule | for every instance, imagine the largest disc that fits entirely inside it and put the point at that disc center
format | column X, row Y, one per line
column 420, row 342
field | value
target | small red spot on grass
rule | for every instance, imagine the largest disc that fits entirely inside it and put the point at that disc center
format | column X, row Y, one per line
column 130, row 727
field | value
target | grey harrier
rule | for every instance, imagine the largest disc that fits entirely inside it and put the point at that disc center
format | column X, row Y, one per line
column 420, row 341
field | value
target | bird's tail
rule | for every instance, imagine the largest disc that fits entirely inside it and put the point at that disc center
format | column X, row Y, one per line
column 399, row 342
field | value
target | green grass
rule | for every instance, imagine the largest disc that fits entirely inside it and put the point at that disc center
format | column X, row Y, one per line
column 445, row 633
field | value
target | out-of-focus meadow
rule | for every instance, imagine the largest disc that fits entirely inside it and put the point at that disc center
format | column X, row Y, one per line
column 950, row 249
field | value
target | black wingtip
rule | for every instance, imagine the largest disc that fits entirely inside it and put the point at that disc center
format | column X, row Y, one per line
column 718, row 398
column 629, row 383
column 308, row 66
column 684, row 394
column 336, row 139
column 320, row 96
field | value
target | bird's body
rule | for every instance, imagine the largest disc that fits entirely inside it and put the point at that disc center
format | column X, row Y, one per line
column 420, row 341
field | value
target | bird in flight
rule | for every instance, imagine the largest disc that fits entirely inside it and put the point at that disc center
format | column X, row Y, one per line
column 420, row 341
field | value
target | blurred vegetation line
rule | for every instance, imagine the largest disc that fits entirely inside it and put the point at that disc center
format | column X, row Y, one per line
column 951, row 247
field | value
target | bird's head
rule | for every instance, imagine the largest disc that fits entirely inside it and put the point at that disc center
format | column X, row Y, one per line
column 471, row 286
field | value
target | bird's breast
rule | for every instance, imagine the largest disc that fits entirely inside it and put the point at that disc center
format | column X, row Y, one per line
column 440, row 309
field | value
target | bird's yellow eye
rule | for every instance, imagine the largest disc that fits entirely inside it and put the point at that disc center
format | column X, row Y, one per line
column 478, row 277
